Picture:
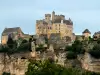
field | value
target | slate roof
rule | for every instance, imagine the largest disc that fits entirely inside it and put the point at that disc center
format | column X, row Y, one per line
column 73, row 33
column 86, row 31
column 64, row 21
column 97, row 33
column 10, row 30
column 67, row 22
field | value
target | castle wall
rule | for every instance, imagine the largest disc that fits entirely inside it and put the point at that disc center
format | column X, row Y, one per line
column 51, row 27
column 47, row 17
column 63, row 29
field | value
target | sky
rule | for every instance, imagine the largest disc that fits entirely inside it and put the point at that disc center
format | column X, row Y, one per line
column 24, row 13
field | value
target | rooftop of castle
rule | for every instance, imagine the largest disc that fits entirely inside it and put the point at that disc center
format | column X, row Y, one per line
column 57, row 20
column 9, row 30
column 64, row 21
column 86, row 31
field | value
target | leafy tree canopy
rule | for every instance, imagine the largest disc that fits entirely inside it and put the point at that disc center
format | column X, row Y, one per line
column 47, row 68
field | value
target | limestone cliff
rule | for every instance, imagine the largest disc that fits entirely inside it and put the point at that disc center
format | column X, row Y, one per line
column 15, row 64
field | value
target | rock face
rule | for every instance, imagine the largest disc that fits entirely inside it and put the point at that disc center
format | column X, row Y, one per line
column 15, row 64
column 61, row 58
column 90, row 63
column 49, row 54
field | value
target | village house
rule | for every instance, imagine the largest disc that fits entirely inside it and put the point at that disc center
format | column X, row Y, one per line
column 15, row 33
column 96, row 35
column 86, row 33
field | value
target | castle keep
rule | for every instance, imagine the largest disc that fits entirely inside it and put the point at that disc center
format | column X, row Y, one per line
column 54, row 24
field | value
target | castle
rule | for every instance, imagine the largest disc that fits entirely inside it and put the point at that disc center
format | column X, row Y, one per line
column 54, row 24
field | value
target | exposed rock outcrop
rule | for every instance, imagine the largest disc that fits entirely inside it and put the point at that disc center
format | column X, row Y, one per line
column 15, row 64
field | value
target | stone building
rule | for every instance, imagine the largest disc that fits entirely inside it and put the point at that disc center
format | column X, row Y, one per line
column 96, row 35
column 86, row 33
column 54, row 24
column 14, row 33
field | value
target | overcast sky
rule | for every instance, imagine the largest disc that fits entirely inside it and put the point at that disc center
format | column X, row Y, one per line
column 24, row 13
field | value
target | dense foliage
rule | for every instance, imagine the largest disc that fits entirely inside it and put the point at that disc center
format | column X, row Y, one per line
column 71, row 55
column 40, row 48
column 5, row 73
column 14, row 46
column 76, row 48
column 95, row 52
column 48, row 68
column 80, row 47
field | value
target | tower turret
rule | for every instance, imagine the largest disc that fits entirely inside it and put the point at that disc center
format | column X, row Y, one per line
column 47, row 17
column 53, row 16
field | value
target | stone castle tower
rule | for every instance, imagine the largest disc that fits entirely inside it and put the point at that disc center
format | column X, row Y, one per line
column 53, row 16
column 54, row 24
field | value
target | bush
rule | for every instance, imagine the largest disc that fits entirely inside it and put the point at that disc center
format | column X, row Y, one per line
column 47, row 68
column 95, row 53
column 24, row 41
column 98, row 41
column 5, row 73
column 10, row 43
column 23, row 47
column 4, row 49
column 68, row 48
column 71, row 55
column 40, row 48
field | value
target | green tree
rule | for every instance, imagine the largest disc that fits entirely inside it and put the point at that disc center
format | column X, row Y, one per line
column 5, row 73
column 77, row 47
column 10, row 43
column 98, row 40
column 71, row 55
column 47, row 68
column 95, row 52
column 4, row 48
column 46, row 40
column 68, row 48
column 24, row 41
column 40, row 48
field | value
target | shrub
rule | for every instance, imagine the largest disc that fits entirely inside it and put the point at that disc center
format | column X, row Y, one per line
column 47, row 68
column 23, row 47
column 5, row 73
column 71, row 55
column 40, row 48
column 24, row 41
column 95, row 53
